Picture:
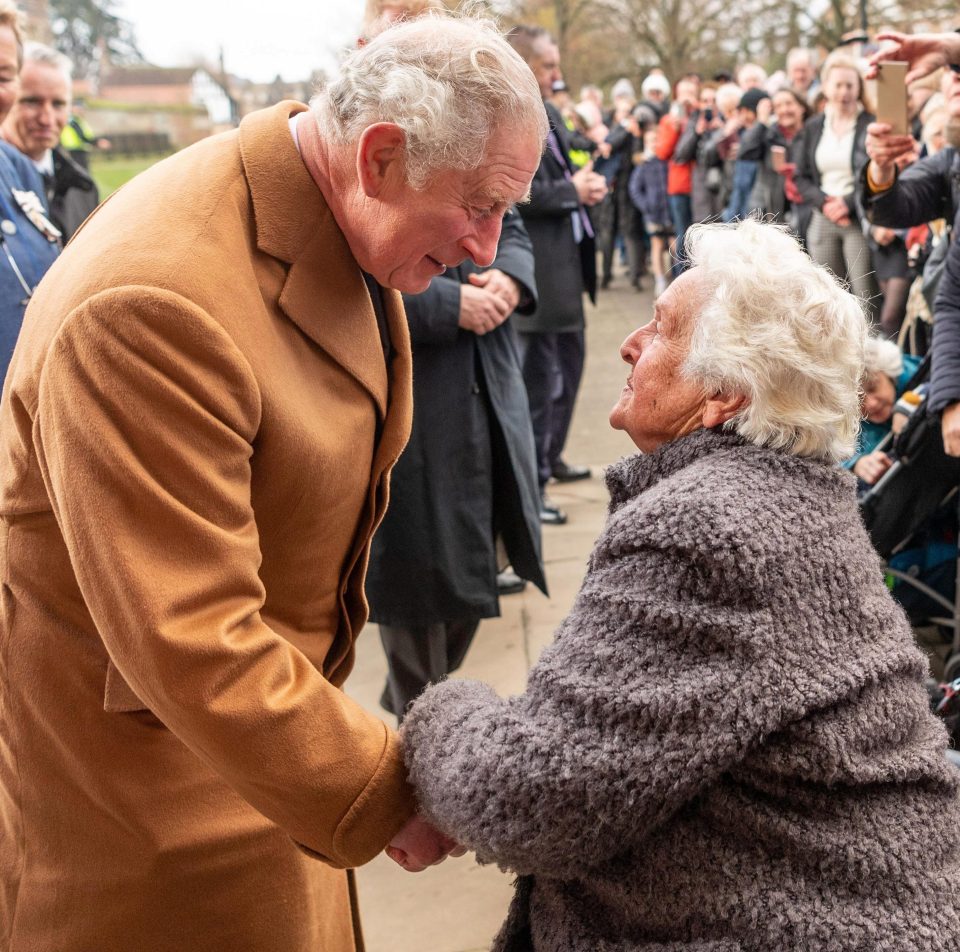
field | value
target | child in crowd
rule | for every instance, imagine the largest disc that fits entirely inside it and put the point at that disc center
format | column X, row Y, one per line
column 754, row 108
column 648, row 192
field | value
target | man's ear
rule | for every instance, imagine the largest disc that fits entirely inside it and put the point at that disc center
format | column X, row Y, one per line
column 379, row 154
column 722, row 407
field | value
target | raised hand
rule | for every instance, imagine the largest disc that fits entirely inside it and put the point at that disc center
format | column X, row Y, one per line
column 924, row 52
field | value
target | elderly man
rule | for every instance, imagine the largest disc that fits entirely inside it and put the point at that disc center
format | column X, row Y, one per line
column 34, row 125
column 802, row 71
column 197, row 433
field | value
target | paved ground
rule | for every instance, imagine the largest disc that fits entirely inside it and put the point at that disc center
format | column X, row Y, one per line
column 458, row 906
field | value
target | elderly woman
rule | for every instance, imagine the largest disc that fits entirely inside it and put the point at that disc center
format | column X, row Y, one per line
column 727, row 748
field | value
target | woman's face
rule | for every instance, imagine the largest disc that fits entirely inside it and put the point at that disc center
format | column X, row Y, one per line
column 787, row 110
column 9, row 77
column 842, row 88
column 879, row 396
column 658, row 404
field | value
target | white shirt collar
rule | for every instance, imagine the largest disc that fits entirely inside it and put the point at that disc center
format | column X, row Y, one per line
column 45, row 164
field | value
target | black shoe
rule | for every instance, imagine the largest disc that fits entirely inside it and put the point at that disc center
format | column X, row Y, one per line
column 550, row 514
column 509, row 583
column 605, row 282
column 564, row 473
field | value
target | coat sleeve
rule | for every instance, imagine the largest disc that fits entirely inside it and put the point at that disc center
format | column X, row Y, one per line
column 433, row 316
column 686, row 149
column 647, row 695
column 920, row 194
column 945, row 368
column 515, row 258
column 146, row 425
column 806, row 175
column 551, row 196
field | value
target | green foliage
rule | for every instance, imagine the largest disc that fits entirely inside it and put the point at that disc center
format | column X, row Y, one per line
column 84, row 29
column 110, row 174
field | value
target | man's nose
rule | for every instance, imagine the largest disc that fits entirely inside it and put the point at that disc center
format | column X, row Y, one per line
column 481, row 243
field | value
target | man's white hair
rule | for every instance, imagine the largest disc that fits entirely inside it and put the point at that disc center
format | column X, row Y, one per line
column 782, row 331
column 48, row 56
column 448, row 82
column 882, row 356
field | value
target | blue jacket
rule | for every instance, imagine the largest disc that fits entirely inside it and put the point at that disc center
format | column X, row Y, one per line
column 31, row 251
column 648, row 190
column 872, row 433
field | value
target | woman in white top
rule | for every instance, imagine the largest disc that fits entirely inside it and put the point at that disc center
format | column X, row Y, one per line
column 830, row 157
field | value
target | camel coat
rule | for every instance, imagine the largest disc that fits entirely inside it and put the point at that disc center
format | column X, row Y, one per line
column 196, row 436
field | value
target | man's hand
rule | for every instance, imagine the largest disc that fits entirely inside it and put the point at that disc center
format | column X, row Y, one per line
column 500, row 284
column 481, row 310
column 950, row 426
column 419, row 845
column 885, row 149
column 924, row 52
column 872, row 466
column 590, row 186
column 835, row 208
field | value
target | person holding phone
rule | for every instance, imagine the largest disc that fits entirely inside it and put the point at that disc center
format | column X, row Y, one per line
column 829, row 155
column 927, row 190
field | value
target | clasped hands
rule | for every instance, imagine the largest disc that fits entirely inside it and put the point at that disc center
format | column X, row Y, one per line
column 487, row 301
column 419, row 844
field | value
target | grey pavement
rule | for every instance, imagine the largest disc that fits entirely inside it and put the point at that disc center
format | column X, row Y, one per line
column 459, row 905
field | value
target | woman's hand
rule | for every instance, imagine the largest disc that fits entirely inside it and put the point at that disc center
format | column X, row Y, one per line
column 420, row 844
column 882, row 236
column 872, row 466
column 886, row 151
column 835, row 208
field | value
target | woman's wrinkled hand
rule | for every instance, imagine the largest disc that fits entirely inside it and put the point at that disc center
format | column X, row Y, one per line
column 419, row 845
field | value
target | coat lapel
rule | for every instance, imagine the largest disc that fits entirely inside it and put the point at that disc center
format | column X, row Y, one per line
column 324, row 293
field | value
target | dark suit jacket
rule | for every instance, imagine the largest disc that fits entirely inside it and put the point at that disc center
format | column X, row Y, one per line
column 470, row 464
column 71, row 193
column 564, row 268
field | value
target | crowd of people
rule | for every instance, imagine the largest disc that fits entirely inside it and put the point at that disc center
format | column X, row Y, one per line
column 790, row 147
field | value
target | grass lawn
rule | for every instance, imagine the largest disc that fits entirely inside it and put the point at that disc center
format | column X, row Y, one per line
column 110, row 174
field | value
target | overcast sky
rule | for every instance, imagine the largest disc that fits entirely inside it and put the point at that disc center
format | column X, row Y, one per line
column 260, row 39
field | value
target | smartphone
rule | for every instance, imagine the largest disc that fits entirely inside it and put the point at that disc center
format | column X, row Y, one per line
column 892, row 96
column 708, row 114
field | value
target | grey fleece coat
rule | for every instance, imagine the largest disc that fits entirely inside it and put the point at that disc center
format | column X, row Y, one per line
column 727, row 748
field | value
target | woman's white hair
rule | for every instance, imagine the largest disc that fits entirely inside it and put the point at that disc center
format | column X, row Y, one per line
column 782, row 331
column 448, row 82
column 882, row 356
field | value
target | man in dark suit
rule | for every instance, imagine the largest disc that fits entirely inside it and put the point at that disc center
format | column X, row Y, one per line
column 467, row 477
column 551, row 339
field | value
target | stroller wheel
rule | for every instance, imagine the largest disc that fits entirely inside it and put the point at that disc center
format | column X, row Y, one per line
column 951, row 670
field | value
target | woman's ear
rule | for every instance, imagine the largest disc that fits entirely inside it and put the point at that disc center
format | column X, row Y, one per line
column 722, row 407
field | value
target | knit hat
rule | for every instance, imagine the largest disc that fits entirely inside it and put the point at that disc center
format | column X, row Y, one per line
column 751, row 99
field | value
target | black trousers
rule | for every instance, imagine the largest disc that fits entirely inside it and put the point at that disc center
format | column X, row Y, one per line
column 552, row 367
column 419, row 655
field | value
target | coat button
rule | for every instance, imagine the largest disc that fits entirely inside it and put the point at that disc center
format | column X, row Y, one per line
column 476, row 387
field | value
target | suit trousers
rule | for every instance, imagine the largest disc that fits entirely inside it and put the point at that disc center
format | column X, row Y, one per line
column 552, row 367
column 418, row 655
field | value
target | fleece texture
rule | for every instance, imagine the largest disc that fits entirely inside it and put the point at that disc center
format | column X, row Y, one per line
column 196, row 436
column 727, row 748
